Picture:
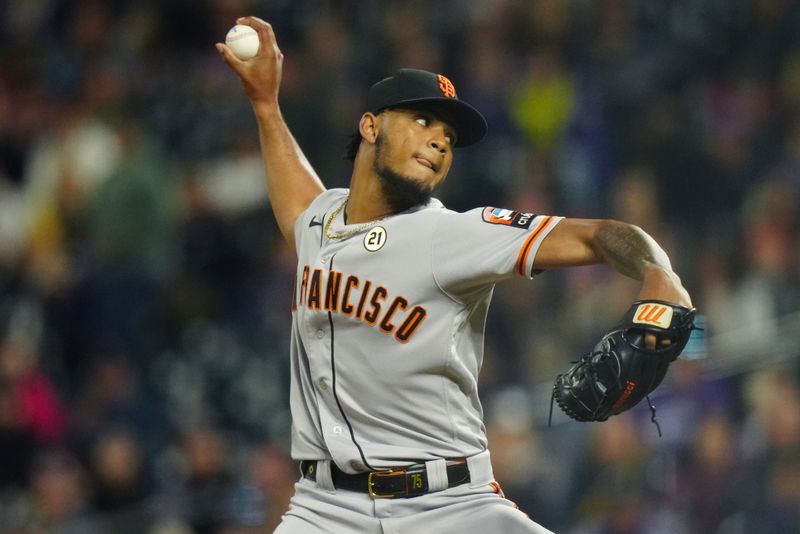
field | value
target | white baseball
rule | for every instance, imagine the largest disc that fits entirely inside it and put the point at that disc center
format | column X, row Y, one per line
column 243, row 41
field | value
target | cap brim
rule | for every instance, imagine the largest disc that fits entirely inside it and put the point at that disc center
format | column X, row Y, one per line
column 469, row 123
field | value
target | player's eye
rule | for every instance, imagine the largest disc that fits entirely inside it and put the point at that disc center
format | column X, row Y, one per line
column 423, row 121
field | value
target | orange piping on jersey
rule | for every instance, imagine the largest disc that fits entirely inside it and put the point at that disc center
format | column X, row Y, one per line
column 304, row 285
column 314, row 290
column 522, row 259
column 352, row 282
column 497, row 489
column 294, row 294
column 332, row 291
column 363, row 299
column 406, row 331
column 371, row 317
column 398, row 302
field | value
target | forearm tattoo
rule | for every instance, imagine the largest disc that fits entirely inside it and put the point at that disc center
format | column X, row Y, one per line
column 629, row 249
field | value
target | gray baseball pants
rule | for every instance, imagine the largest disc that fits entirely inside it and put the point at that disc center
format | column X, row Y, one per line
column 477, row 507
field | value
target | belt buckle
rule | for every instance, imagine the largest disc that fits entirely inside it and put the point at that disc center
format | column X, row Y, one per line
column 371, row 482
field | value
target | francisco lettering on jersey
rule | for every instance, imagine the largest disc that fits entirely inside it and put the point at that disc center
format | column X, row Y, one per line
column 517, row 219
column 365, row 301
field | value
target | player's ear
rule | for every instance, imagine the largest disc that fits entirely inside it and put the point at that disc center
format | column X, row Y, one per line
column 368, row 127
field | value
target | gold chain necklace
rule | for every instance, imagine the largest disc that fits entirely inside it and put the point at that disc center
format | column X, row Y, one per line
column 335, row 236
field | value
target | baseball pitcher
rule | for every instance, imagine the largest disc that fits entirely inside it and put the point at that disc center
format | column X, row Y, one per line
column 389, row 305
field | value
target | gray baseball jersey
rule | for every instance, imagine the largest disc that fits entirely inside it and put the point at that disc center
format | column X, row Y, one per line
column 387, row 330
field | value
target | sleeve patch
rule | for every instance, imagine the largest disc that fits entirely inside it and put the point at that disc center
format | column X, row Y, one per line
column 517, row 219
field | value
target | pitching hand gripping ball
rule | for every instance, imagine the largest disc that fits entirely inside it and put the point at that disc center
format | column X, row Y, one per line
column 243, row 41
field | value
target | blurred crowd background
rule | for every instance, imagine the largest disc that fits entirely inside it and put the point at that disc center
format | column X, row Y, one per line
column 145, row 291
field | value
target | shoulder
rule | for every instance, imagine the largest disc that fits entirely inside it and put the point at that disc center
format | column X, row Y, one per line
column 327, row 199
column 315, row 212
column 323, row 203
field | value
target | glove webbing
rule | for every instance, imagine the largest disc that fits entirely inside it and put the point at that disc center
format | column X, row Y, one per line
column 588, row 356
column 585, row 360
column 649, row 402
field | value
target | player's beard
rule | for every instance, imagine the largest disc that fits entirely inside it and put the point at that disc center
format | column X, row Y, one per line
column 401, row 192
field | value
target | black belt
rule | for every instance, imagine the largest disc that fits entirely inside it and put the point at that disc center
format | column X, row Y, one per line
column 411, row 481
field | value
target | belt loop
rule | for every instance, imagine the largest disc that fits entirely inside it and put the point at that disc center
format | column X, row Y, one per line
column 324, row 478
column 480, row 469
column 437, row 474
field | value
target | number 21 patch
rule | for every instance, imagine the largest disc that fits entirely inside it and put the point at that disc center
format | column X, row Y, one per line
column 516, row 219
column 375, row 239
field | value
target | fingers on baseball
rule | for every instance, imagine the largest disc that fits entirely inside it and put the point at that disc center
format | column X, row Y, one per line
column 266, row 35
column 228, row 55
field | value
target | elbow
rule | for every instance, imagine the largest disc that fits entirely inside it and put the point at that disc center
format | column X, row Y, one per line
column 614, row 224
column 602, row 231
column 604, row 228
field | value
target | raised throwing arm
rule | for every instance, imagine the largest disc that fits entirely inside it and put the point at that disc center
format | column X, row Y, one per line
column 291, row 181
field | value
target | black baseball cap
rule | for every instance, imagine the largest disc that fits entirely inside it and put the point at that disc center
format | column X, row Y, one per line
column 410, row 87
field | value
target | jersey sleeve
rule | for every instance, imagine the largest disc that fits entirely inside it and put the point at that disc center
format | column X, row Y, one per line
column 485, row 245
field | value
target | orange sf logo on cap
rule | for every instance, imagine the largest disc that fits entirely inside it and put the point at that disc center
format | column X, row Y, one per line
column 446, row 86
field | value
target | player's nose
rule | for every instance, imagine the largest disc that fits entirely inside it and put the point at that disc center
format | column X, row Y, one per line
column 438, row 140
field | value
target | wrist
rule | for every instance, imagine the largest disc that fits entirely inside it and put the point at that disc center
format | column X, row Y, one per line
column 656, row 272
column 266, row 108
column 661, row 283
